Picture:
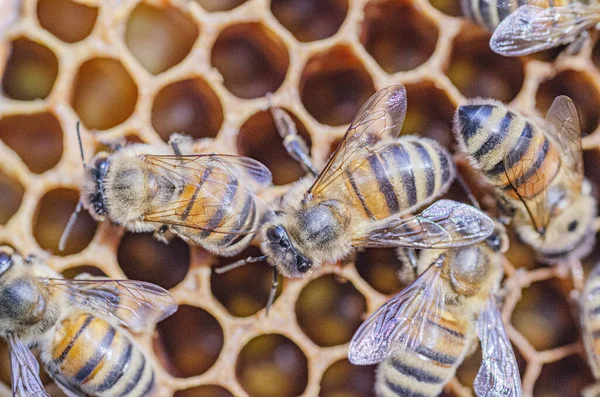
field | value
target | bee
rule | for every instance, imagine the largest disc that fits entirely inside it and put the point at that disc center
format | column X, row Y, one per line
column 540, row 25
column 590, row 324
column 421, row 335
column 536, row 169
column 79, row 327
column 205, row 199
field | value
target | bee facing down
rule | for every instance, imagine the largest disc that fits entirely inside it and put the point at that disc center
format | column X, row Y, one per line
column 206, row 199
column 78, row 326
column 537, row 172
column 423, row 334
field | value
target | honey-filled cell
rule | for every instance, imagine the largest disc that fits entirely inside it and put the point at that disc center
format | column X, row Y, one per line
column 68, row 20
column 11, row 194
column 310, row 20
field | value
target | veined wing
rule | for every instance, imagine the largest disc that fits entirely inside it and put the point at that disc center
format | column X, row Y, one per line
column 565, row 131
column 24, row 370
column 133, row 304
column 499, row 372
column 211, row 184
column 531, row 29
column 383, row 113
column 404, row 323
column 444, row 224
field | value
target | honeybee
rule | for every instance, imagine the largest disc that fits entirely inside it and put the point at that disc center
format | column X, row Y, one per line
column 78, row 325
column 537, row 172
column 206, row 199
column 541, row 25
column 421, row 335
column 590, row 324
column 363, row 195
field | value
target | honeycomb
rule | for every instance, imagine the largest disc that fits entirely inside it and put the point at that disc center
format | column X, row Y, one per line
column 137, row 71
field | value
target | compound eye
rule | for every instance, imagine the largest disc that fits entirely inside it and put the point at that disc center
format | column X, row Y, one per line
column 5, row 262
column 572, row 226
column 275, row 233
column 303, row 264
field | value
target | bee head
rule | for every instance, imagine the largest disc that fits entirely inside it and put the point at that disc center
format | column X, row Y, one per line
column 282, row 253
column 94, row 189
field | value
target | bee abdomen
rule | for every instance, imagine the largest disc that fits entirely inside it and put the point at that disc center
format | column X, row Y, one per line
column 91, row 356
column 489, row 13
column 399, row 176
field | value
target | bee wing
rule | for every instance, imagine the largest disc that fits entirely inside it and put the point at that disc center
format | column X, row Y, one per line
column 213, row 181
column 133, row 304
column 531, row 29
column 24, row 370
column 525, row 178
column 383, row 112
column 403, row 324
column 565, row 131
column 444, row 224
column 499, row 372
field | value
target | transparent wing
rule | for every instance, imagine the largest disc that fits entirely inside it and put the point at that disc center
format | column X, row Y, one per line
column 528, row 181
column 383, row 113
column 565, row 131
column 210, row 184
column 444, row 224
column 403, row 324
column 24, row 370
column 503, row 9
column 134, row 304
column 531, row 29
column 499, row 373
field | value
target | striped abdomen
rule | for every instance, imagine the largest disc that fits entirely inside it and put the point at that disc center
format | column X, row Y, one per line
column 425, row 371
column 89, row 356
column 510, row 151
column 590, row 320
column 398, row 177
column 489, row 13
column 219, row 201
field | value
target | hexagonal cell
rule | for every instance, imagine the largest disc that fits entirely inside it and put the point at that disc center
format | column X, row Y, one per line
column 204, row 391
column 543, row 315
column 51, row 216
column 269, row 357
column 257, row 139
column 251, row 59
column 345, row 379
column 379, row 268
column 30, row 71
column 104, row 94
column 429, row 113
column 474, row 67
column 219, row 5
column 73, row 272
column 567, row 377
column 11, row 194
column 334, row 85
column 310, row 20
column 188, row 106
column 578, row 86
column 141, row 257
column 397, row 46
column 245, row 290
column 68, row 20
column 190, row 341
column 448, row 7
column 329, row 310
column 37, row 138
column 159, row 38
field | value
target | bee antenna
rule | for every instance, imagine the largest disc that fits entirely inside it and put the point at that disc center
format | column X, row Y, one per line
column 273, row 290
column 78, row 128
column 467, row 190
column 63, row 239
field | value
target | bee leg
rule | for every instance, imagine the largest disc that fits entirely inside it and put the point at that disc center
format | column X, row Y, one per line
column 505, row 211
column 578, row 44
column 294, row 144
column 178, row 142
column 408, row 271
column 273, row 290
column 160, row 234
column 240, row 263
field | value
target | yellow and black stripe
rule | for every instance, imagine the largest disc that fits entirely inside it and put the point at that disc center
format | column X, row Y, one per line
column 425, row 371
column 92, row 357
column 513, row 154
column 397, row 177
column 225, row 213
